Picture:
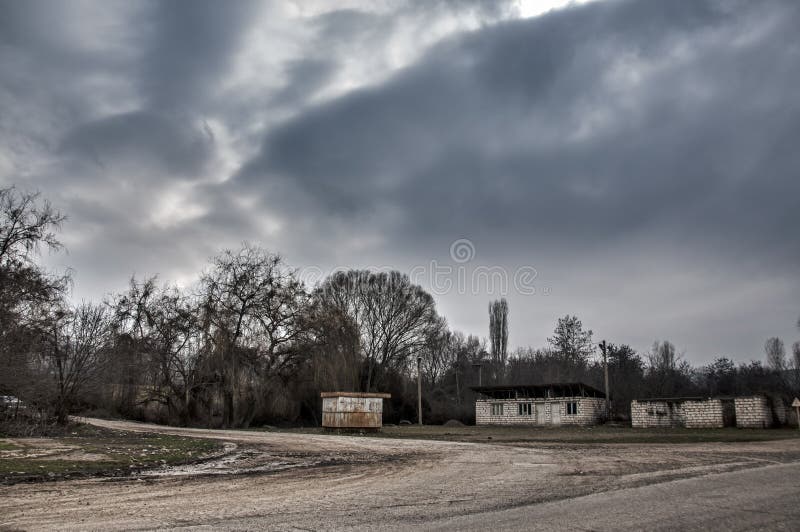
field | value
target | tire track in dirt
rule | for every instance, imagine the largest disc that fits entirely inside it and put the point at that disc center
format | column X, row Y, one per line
column 361, row 481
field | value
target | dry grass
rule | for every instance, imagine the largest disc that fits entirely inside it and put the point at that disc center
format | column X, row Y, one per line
column 573, row 435
column 91, row 451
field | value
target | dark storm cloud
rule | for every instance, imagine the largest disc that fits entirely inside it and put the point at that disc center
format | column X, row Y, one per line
column 177, row 147
column 189, row 48
column 642, row 155
column 192, row 47
column 106, row 111
column 573, row 128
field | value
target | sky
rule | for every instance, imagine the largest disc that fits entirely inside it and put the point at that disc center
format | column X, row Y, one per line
column 634, row 163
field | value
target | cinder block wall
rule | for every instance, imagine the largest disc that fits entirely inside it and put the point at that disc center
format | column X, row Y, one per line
column 590, row 411
column 704, row 414
column 753, row 412
column 645, row 414
column 707, row 413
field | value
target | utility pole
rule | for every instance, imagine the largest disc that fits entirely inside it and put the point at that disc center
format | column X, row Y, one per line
column 419, row 390
column 604, row 349
column 458, row 388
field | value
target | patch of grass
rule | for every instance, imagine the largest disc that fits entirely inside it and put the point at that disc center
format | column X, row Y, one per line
column 587, row 435
column 7, row 446
column 31, row 469
column 93, row 451
column 569, row 435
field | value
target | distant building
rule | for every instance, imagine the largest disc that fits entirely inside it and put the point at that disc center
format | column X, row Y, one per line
column 754, row 411
column 539, row 404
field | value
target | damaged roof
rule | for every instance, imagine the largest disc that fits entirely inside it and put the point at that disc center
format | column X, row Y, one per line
column 533, row 391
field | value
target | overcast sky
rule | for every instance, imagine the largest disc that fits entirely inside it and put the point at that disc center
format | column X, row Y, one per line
column 634, row 163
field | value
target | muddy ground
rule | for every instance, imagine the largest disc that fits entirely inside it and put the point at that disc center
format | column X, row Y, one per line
column 86, row 450
column 311, row 481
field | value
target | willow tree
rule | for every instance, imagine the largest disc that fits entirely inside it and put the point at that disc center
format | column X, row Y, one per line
column 394, row 317
column 251, row 308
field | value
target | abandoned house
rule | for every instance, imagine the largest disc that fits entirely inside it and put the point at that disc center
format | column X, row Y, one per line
column 541, row 404
column 352, row 410
column 756, row 411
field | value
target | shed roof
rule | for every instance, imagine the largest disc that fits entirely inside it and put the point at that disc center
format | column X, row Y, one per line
column 559, row 389
column 682, row 399
column 356, row 394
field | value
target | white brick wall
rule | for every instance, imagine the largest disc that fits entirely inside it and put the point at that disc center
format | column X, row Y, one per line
column 704, row 414
column 657, row 414
column 708, row 413
column 753, row 412
column 590, row 411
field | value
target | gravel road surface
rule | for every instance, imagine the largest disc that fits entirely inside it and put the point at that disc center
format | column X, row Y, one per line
column 286, row 481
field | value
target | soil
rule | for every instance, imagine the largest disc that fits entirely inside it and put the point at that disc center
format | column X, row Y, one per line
column 280, row 480
column 94, row 451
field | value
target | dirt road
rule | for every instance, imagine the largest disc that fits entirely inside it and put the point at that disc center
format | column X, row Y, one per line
column 765, row 498
column 299, row 481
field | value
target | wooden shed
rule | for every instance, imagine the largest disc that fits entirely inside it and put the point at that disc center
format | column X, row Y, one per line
column 352, row 410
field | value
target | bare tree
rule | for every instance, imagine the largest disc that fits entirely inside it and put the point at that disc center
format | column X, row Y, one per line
column 393, row 317
column 251, row 307
column 662, row 356
column 26, row 290
column 439, row 352
column 667, row 373
column 26, row 223
column 80, row 338
column 28, row 294
column 163, row 327
column 776, row 354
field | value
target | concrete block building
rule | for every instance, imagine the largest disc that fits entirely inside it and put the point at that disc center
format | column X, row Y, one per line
column 543, row 404
column 753, row 412
column 756, row 411
column 690, row 412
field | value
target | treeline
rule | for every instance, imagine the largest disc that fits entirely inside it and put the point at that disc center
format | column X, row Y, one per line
column 248, row 343
column 660, row 372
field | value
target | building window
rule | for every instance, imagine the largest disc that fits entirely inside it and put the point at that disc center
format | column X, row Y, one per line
column 572, row 409
column 525, row 409
column 497, row 409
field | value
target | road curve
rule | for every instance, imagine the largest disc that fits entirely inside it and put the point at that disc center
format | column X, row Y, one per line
column 766, row 498
column 383, row 483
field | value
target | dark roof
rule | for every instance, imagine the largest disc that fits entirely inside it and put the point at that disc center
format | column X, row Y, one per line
column 672, row 399
column 558, row 389
column 682, row 399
